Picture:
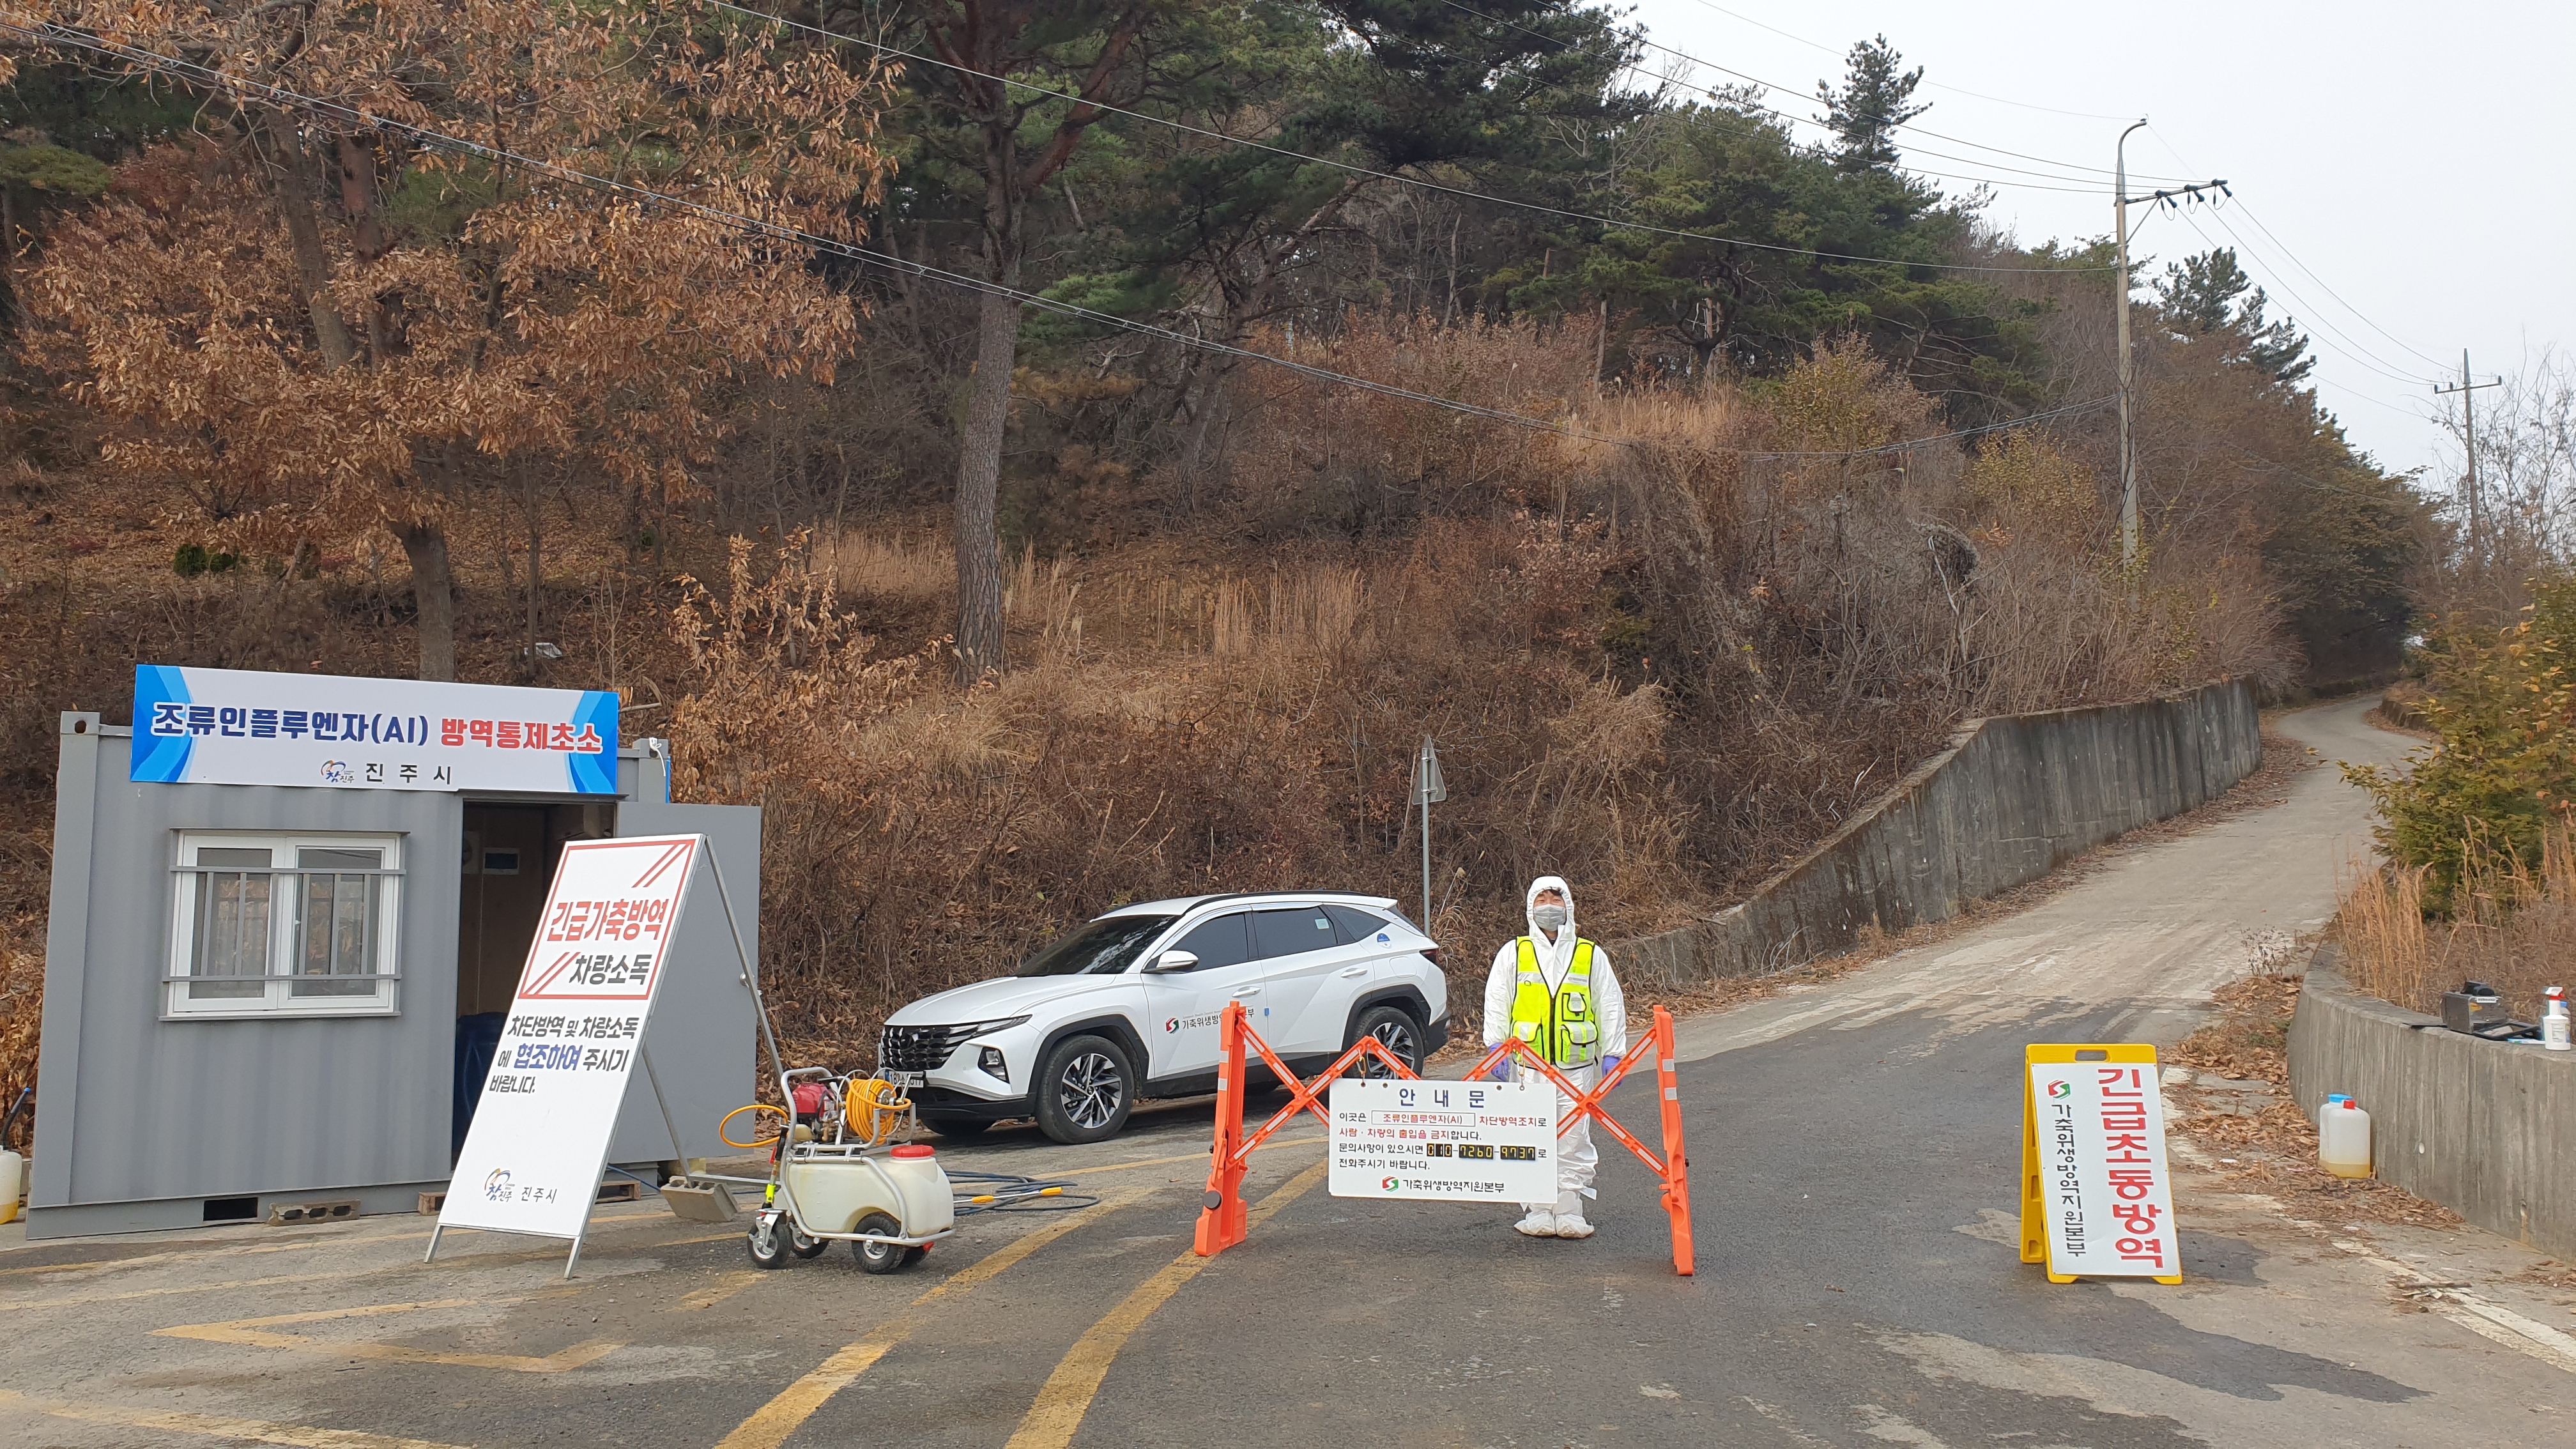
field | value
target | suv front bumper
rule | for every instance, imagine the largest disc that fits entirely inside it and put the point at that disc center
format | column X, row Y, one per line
column 936, row 1101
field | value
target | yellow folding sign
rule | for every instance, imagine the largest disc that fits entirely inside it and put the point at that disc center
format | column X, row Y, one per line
column 2096, row 1197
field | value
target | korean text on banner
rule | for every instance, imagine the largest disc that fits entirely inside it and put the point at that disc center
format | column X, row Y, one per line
column 1443, row 1141
column 2097, row 1193
column 243, row 727
column 532, row 1159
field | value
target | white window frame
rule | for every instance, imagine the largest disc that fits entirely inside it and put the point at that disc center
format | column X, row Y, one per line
column 277, row 997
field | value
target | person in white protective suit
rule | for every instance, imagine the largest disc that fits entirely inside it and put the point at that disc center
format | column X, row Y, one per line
column 1556, row 991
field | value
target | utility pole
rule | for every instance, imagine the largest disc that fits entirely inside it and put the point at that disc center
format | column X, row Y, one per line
column 2120, row 199
column 2469, row 444
column 2128, row 362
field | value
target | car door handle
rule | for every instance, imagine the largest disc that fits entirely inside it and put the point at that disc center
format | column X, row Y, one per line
column 1247, row 991
column 1353, row 971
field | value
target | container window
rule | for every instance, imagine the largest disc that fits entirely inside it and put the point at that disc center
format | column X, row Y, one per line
column 284, row 925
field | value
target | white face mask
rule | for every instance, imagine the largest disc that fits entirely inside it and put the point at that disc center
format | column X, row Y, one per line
column 1548, row 918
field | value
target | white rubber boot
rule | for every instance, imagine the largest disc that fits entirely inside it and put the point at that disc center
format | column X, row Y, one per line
column 1572, row 1225
column 1540, row 1223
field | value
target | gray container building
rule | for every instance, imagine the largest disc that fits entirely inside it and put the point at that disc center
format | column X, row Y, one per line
column 167, row 1099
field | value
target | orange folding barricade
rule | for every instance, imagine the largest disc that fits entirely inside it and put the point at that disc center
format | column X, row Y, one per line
column 1221, row 1214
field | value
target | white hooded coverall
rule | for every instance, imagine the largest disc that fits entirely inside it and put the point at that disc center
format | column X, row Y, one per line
column 1575, row 1157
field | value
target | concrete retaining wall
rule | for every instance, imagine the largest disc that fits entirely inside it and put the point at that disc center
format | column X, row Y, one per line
column 2010, row 799
column 2484, row 1128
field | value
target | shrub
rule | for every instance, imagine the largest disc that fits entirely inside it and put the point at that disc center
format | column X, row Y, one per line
column 2502, row 767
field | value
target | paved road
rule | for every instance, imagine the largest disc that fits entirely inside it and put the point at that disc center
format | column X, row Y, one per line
column 1855, row 1147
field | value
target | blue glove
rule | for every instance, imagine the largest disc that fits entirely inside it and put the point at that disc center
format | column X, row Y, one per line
column 1502, row 1071
column 1609, row 1064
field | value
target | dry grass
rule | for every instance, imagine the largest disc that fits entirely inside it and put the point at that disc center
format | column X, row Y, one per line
column 2518, row 932
column 1657, row 668
column 1217, row 732
column 890, row 566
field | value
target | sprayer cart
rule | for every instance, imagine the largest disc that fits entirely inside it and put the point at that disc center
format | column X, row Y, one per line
column 841, row 1170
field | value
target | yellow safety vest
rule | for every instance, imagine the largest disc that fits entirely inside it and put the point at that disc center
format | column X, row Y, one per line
column 1559, row 1023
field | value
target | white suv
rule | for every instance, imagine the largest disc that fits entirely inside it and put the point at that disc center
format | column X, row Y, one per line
column 1126, row 1006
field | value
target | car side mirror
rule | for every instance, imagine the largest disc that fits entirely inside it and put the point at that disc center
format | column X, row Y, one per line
column 1171, row 961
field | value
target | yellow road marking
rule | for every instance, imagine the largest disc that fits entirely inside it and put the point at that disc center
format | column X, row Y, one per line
column 774, row 1421
column 249, row 1331
column 718, row 1291
column 1068, row 1392
column 257, row 1430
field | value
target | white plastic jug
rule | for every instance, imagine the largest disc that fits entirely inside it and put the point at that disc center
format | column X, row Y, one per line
column 2343, row 1138
column 2553, row 1021
column 13, row 1181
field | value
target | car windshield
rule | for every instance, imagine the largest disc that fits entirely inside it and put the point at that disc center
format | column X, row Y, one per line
column 1102, row 948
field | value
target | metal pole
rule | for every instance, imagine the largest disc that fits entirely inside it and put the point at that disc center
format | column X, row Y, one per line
column 2120, row 301
column 1426, row 861
column 679, row 1153
column 750, row 976
column 2469, row 446
column 777, row 1062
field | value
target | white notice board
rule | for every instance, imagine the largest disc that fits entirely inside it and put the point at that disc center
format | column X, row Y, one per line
column 533, row 1156
column 2101, row 1129
column 1444, row 1141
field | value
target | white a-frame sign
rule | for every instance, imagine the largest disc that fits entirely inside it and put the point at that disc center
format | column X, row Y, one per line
column 539, row 1140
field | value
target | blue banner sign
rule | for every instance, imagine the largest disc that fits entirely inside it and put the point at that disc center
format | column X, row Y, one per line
column 243, row 727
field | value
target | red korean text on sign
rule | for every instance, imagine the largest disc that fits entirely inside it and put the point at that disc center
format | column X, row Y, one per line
column 2131, row 1166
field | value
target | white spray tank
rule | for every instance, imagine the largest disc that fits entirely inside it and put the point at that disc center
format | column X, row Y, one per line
column 2343, row 1137
column 2554, row 1025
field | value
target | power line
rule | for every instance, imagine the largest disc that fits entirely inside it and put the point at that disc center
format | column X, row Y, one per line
column 2356, row 352
column 2091, row 185
column 1372, row 173
column 1902, row 126
column 2289, row 472
column 280, row 95
column 2068, row 411
column 1937, row 85
column 2330, row 291
column 2283, row 282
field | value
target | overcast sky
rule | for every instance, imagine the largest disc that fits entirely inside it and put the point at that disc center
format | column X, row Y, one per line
column 2397, row 167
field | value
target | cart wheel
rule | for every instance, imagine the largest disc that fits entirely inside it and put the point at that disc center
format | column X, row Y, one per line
column 805, row 1247
column 882, row 1257
column 768, row 1247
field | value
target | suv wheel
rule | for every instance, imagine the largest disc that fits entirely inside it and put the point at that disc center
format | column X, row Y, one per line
column 1085, row 1090
column 1397, row 1031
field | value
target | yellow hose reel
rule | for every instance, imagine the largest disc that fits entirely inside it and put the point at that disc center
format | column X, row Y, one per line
column 872, row 1110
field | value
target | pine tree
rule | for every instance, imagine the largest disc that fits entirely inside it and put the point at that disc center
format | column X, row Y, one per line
column 2208, row 293
column 1873, row 102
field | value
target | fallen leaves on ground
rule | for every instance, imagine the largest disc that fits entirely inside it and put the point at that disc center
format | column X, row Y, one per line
column 2273, row 1151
